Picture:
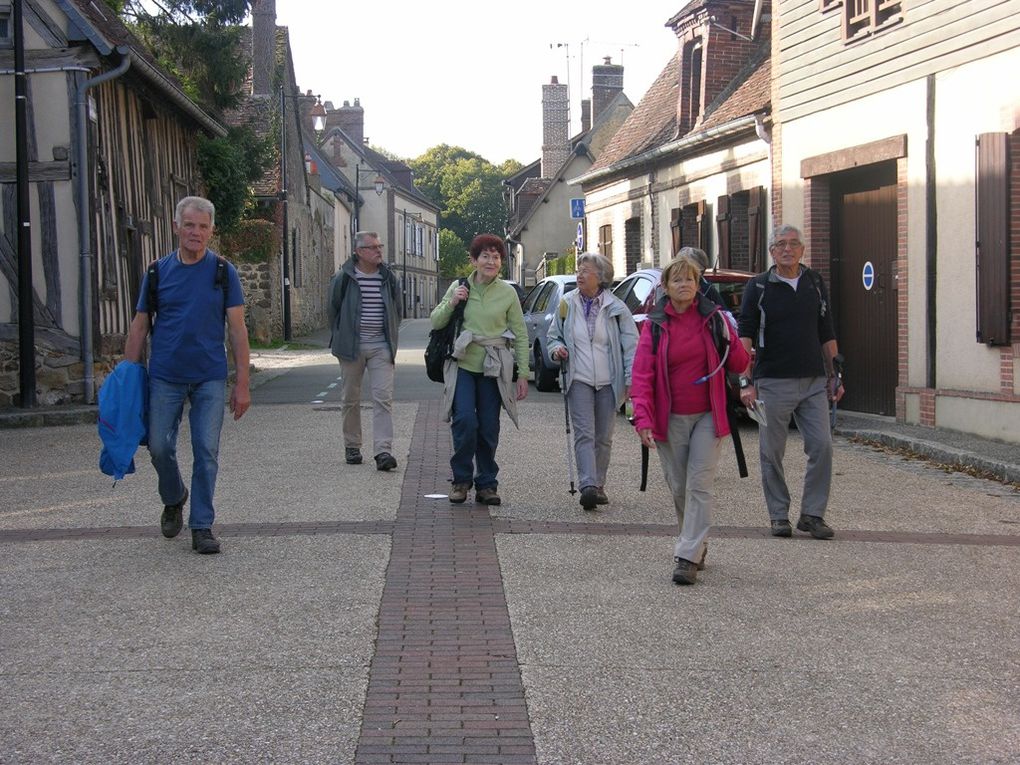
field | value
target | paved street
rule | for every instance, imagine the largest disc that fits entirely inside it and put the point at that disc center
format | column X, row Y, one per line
column 354, row 618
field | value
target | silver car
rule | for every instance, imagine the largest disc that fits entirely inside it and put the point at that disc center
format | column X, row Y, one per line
column 539, row 312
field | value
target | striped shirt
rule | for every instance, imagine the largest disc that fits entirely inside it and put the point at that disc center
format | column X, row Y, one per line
column 373, row 314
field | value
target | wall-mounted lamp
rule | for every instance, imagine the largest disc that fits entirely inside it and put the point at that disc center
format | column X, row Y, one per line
column 318, row 115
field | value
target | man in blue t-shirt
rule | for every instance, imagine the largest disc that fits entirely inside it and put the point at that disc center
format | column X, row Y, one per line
column 195, row 291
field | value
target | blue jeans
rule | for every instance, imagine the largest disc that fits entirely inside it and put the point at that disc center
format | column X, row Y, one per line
column 166, row 406
column 475, row 426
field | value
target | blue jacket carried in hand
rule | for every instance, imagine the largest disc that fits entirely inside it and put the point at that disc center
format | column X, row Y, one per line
column 123, row 418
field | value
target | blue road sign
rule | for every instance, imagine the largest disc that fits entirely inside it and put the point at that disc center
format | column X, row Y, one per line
column 576, row 209
column 868, row 275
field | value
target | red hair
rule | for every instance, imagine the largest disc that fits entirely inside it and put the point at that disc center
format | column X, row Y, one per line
column 484, row 242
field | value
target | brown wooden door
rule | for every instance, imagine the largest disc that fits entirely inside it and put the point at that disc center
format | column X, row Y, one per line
column 864, row 218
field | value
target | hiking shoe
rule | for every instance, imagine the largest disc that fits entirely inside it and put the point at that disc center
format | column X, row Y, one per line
column 589, row 497
column 815, row 526
column 385, row 461
column 781, row 528
column 487, row 496
column 171, row 521
column 459, row 492
column 352, row 455
column 685, row 571
column 600, row 496
column 204, row 542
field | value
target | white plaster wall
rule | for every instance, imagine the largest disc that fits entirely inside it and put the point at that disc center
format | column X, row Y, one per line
column 970, row 100
column 893, row 112
column 991, row 419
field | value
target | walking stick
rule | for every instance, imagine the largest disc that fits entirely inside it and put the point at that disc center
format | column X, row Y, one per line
column 644, row 460
column 566, row 413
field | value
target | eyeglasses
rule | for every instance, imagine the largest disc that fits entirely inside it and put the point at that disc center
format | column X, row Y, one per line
column 793, row 244
column 586, row 272
column 371, row 247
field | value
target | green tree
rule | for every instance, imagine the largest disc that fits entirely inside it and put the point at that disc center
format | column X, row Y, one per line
column 453, row 255
column 467, row 188
column 230, row 166
column 196, row 41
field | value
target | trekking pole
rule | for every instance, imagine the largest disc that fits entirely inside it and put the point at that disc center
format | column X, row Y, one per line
column 566, row 413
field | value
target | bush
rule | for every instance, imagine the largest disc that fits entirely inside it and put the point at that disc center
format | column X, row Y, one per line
column 250, row 241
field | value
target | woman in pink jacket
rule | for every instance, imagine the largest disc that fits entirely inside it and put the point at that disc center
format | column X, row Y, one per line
column 686, row 347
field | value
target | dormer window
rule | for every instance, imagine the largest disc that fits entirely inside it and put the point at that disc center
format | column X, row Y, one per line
column 690, row 88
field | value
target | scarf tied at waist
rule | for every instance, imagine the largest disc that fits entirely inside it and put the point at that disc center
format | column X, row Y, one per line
column 498, row 363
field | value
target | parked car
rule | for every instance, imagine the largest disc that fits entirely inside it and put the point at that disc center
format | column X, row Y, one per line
column 540, row 308
column 639, row 290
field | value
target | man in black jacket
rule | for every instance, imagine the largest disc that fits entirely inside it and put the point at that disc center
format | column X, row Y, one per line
column 785, row 315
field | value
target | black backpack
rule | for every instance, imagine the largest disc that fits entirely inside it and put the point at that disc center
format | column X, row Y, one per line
column 440, row 346
column 152, row 300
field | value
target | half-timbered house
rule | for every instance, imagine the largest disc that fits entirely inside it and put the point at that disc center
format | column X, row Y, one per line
column 111, row 143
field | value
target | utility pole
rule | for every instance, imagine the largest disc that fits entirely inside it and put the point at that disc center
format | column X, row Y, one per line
column 26, row 320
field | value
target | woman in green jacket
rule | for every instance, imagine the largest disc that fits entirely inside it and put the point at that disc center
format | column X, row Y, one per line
column 480, row 378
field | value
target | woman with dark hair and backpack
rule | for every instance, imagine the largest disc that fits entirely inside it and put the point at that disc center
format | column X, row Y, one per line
column 479, row 379
column 679, row 391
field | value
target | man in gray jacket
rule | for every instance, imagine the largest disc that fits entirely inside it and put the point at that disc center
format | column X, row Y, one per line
column 364, row 316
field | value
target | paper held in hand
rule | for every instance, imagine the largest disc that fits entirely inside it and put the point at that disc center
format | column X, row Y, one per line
column 757, row 412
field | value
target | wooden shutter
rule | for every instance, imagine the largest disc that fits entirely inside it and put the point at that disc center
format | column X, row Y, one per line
column 722, row 223
column 703, row 225
column 675, row 222
column 992, row 246
column 756, row 229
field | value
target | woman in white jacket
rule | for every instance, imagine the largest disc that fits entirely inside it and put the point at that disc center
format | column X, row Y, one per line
column 595, row 335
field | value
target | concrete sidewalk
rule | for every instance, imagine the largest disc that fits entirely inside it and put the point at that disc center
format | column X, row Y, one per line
column 356, row 617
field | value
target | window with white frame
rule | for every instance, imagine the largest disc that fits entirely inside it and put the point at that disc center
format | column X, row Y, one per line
column 6, row 30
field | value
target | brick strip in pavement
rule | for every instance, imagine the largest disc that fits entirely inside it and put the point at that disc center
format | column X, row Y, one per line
column 444, row 684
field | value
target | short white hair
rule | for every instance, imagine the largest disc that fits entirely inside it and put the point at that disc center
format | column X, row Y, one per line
column 195, row 203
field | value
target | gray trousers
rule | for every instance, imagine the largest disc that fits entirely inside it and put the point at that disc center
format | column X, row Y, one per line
column 376, row 359
column 593, row 418
column 689, row 459
column 804, row 398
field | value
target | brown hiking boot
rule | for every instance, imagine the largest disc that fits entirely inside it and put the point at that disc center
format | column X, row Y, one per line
column 487, row 496
column 459, row 492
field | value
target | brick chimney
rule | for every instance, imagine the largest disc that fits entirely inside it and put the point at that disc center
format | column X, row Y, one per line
column 555, row 127
column 263, row 46
column 606, row 83
column 585, row 115
column 350, row 119
column 711, row 57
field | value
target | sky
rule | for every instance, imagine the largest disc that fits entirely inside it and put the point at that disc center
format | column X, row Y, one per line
column 469, row 74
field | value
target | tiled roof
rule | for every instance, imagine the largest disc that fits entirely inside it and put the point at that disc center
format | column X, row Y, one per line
column 751, row 93
column 652, row 123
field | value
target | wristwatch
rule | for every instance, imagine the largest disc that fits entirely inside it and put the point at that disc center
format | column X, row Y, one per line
column 745, row 382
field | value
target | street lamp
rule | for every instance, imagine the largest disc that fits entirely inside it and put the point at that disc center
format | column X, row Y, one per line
column 379, row 185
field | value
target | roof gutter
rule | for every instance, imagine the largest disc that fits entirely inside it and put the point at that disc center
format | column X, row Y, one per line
column 174, row 94
column 686, row 143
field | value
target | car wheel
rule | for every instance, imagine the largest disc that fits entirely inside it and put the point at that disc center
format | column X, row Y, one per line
column 545, row 376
